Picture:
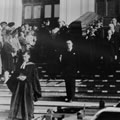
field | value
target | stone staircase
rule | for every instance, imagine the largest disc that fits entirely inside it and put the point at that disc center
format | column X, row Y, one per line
column 88, row 86
column 89, row 91
column 44, row 104
column 41, row 106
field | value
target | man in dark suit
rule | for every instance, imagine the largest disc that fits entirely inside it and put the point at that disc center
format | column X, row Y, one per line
column 69, row 63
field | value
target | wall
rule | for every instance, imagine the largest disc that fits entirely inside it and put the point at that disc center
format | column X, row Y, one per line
column 72, row 9
column 11, row 11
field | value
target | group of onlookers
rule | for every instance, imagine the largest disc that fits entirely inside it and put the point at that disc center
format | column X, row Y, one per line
column 14, row 41
column 46, row 43
column 103, row 42
column 105, row 34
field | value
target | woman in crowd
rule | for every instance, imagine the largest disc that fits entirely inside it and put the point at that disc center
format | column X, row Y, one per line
column 25, row 88
column 7, row 55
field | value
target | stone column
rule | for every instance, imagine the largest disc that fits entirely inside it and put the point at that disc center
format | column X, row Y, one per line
column 70, row 10
column 92, row 5
column 17, row 12
column 11, row 11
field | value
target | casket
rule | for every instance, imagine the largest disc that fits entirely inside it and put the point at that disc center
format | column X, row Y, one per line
column 83, row 22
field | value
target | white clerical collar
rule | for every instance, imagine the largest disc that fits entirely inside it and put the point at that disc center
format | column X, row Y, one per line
column 69, row 50
column 25, row 64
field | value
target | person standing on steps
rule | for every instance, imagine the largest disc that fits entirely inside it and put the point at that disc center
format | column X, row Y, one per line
column 25, row 87
column 69, row 64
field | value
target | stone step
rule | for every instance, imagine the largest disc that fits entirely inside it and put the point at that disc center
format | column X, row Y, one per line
column 37, row 109
column 79, row 83
column 78, row 96
column 4, row 116
column 6, row 101
column 42, row 106
column 41, row 111
column 54, row 91
column 90, row 108
column 84, row 89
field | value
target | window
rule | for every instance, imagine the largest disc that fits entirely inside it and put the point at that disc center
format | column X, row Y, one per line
column 48, row 10
column 37, row 1
column 27, row 1
column 28, row 12
column 56, row 10
column 106, row 7
column 111, row 8
column 101, row 7
column 36, row 11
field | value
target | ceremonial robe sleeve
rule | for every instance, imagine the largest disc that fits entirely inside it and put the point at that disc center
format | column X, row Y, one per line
column 36, row 85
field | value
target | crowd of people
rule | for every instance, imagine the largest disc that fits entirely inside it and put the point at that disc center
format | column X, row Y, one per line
column 45, row 42
column 105, row 34
column 14, row 41
column 48, row 41
column 101, row 45
column 17, row 70
column 20, row 48
column 65, row 54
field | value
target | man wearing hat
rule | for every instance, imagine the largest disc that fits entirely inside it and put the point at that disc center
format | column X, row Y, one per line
column 11, row 25
column 4, row 30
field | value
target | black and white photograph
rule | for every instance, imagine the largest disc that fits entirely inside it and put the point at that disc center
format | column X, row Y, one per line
column 59, row 59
